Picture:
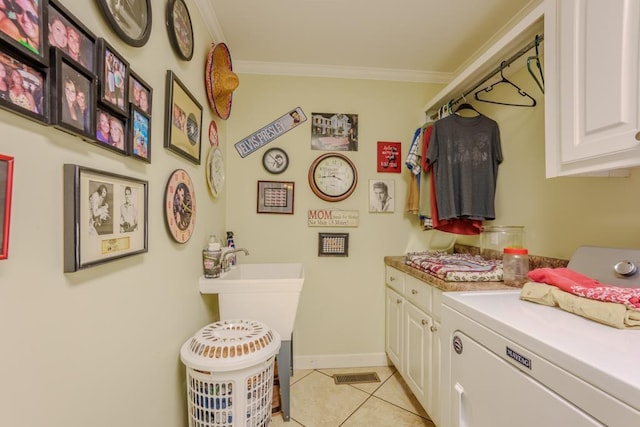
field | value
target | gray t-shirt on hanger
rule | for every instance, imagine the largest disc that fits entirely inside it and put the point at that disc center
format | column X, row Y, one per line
column 465, row 153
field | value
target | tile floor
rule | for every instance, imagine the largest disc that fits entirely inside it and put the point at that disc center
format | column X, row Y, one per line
column 316, row 401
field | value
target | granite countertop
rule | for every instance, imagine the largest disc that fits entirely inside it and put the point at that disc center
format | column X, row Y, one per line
column 534, row 262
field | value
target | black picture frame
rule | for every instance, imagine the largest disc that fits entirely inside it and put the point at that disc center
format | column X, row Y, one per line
column 183, row 120
column 31, row 102
column 114, row 86
column 276, row 197
column 116, row 138
column 63, row 28
column 95, row 228
column 69, row 80
column 130, row 19
column 140, row 93
column 333, row 244
column 180, row 29
column 21, row 31
column 139, row 137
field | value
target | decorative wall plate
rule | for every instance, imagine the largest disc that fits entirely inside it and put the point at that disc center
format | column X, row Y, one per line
column 130, row 19
column 215, row 171
column 180, row 29
column 180, row 205
column 333, row 177
column 275, row 160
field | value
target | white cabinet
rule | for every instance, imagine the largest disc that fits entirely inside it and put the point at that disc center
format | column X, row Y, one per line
column 592, row 96
column 412, row 341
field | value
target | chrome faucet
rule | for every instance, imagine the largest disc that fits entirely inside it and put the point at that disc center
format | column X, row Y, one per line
column 225, row 261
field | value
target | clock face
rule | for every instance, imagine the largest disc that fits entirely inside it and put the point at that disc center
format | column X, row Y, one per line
column 215, row 171
column 333, row 177
column 180, row 206
column 275, row 160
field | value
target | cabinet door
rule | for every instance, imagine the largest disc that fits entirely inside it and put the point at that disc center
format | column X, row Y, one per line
column 592, row 75
column 417, row 350
column 393, row 328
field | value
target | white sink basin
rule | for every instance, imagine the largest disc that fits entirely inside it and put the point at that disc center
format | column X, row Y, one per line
column 268, row 293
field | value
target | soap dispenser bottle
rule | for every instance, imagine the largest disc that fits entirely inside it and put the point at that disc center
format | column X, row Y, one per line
column 231, row 244
column 211, row 258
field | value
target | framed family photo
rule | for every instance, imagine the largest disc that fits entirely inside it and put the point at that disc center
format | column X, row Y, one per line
column 24, row 90
column 138, row 145
column 6, row 187
column 180, row 29
column 140, row 92
column 69, row 35
column 114, row 74
column 105, row 217
column 111, row 131
column 275, row 197
column 73, row 97
column 183, row 120
column 24, row 27
column 130, row 19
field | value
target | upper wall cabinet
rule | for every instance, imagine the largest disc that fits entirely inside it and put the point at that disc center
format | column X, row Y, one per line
column 592, row 96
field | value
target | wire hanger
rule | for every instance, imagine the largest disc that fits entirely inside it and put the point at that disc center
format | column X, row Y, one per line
column 505, row 81
column 536, row 58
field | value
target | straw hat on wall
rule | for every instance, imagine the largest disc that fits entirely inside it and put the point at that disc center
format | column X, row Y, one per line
column 220, row 80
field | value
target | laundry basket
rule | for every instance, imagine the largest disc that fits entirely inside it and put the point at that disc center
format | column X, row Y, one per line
column 230, row 374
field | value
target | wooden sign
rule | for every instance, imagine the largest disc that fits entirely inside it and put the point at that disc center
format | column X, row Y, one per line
column 332, row 218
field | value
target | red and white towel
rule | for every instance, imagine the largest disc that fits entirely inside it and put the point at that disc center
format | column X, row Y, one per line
column 456, row 267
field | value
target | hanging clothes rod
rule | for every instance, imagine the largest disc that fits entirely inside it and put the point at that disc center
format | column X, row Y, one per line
column 538, row 39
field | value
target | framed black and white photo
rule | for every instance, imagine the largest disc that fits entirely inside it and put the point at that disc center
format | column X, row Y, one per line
column 138, row 142
column 140, row 92
column 24, row 89
column 111, row 131
column 68, row 34
column 73, row 97
column 381, row 195
column 183, row 120
column 105, row 217
column 23, row 26
column 130, row 19
column 113, row 76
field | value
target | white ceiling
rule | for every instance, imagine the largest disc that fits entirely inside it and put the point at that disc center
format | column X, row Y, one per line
column 405, row 40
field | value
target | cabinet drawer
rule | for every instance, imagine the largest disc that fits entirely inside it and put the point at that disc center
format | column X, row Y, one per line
column 418, row 293
column 395, row 279
column 437, row 303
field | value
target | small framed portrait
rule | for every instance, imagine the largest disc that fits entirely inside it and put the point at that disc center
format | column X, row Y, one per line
column 180, row 29
column 140, row 93
column 68, row 34
column 105, row 217
column 381, row 195
column 111, row 131
column 130, row 19
column 183, row 120
column 139, row 135
column 73, row 97
column 275, row 197
column 6, row 188
column 113, row 75
column 23, row 89
column 23, row 26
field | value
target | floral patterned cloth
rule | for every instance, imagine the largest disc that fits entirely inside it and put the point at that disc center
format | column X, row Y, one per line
column 456, row 267
column 583, row 286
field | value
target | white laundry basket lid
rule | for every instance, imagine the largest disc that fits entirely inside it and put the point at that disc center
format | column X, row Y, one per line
column 230, row 345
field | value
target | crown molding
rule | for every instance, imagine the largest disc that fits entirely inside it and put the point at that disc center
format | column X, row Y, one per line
column 210, row 19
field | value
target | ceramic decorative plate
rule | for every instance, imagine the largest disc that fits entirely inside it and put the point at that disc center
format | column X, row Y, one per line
column 215, row 171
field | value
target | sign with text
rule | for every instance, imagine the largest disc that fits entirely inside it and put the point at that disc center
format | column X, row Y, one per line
column 332, row 218
column 270, row 132
column 389, row 156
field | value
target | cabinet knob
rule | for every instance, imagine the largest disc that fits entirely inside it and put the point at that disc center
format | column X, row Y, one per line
column 433, row 328
column 638, row 136
column 398, row 301
column 414, row 291
column 425, row 322
column 391, row 278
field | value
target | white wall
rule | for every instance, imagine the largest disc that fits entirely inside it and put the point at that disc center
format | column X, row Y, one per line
column 100, row 347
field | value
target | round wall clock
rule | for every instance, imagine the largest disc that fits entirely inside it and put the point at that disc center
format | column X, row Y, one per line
column 333, row 177
column 180, row 29
column 215, row 171
column 180, row 206
column 275, row 160
column 130, row 19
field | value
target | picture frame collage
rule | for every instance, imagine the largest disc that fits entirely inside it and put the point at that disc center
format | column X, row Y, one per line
column 55, row 71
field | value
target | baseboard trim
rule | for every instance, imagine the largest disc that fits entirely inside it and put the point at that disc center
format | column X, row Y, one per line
column 327, row 361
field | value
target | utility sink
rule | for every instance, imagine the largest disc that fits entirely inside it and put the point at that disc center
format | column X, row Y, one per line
column 266, row 292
